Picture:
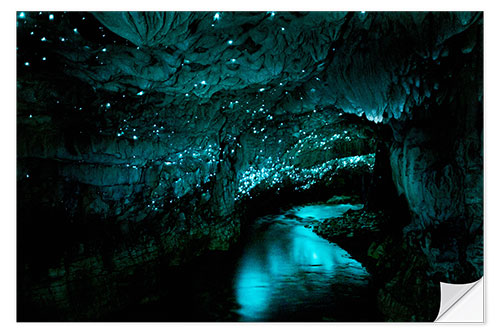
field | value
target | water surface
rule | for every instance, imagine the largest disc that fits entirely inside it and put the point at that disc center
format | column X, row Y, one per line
column 282, row 272
column 287, row 272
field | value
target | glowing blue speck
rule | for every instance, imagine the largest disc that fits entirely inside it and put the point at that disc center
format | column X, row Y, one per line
column 43, row 39
column 203, row 82
column 22, row 15
column 230, row 42
column 75, row 30
column 104, row 50
column 216, row 16
column 134, row 137
column 44, row 58
column 26, row 63
column 262, row 89
column 140, row 93
column 233, row 60
column 51, row 17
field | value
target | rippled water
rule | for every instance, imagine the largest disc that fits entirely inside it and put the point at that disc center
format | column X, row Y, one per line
column 284, row 272
column 288, row 272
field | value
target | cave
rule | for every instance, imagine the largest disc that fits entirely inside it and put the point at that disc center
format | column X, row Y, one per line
column 247, row 166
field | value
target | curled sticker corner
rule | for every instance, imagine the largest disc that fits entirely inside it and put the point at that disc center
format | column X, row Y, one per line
column 461, row 303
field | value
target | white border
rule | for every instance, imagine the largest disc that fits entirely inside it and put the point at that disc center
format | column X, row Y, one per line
column 8, row 153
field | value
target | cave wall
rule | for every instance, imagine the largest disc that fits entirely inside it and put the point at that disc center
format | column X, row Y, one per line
column 119, row 207
column 140, row 135
column 443, row 184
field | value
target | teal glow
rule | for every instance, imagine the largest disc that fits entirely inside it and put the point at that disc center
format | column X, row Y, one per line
column 286, row 264
column 322, row 212
column 253, row 289
column 276, row 171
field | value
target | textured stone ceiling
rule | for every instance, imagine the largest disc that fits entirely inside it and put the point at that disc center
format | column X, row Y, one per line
column 294, row 60
column 367, row 63
column 257, row 90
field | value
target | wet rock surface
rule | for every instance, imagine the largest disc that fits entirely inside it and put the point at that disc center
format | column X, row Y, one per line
column 405, row 289
column 351, row 224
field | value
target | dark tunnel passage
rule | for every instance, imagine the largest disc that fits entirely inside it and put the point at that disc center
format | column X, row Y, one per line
column 247, row 166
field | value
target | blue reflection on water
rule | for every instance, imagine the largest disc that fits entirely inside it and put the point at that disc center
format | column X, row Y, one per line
column 286, row 267
column 323, row 211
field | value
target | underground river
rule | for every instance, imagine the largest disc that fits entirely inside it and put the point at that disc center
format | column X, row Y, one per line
column 283, row 271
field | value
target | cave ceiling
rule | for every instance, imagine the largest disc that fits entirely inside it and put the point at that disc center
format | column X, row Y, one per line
column 260, row 88
column 375, row 64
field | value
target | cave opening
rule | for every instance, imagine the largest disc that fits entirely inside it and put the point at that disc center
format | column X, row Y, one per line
column 247, row 166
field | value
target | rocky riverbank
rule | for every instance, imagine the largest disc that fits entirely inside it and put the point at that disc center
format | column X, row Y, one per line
column 405, row 289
